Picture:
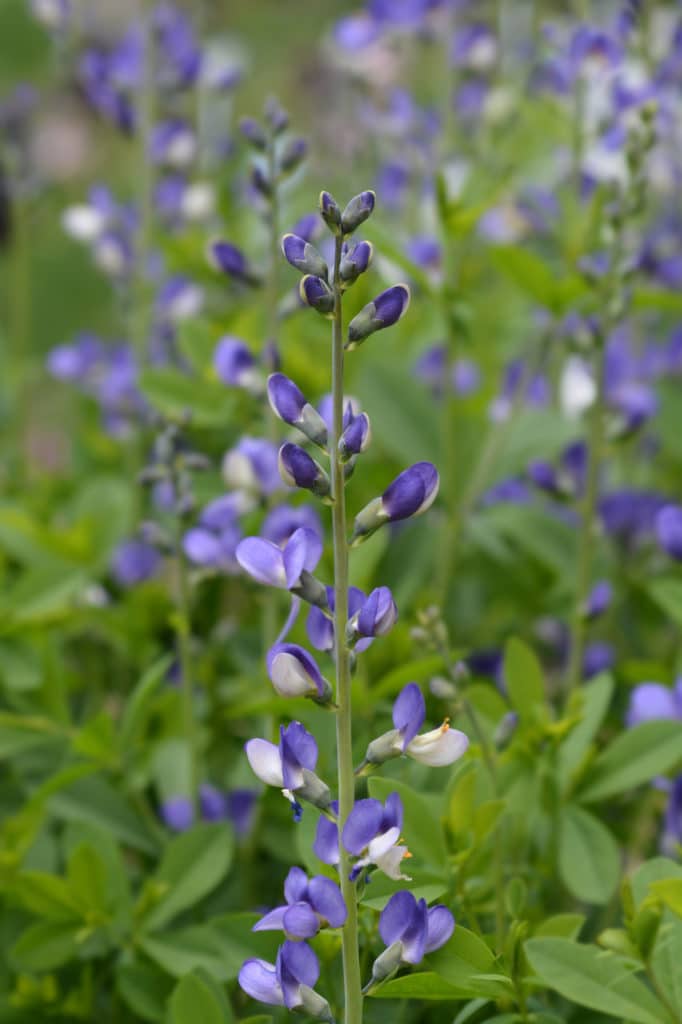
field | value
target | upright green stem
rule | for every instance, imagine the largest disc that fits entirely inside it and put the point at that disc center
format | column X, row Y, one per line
column 352, row 985
column 182, row 629
column 588, row 525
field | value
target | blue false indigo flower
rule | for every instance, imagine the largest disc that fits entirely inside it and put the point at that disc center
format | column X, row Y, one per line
column 179, row 299
column 287, row 568
column 371, row 833
column 177, row 813
column 376, row 616
column 212, row 803
column 253, row 133
column 412, row 492
column 288, row 982
column 235, row 364
column 330, row 212
column 355, row 261
column 316, row 293
column 213, row 542
column 598, row 657
column 252, row 466
column 356, row 436
column 298, row 469
column 320, row 627
column 290, row 767
column 229, row 259
column 304, row 256
column 311, row 904
column 290, row 404
column 294, row 673
column 598, row 600
column 669, row 530
column 410, row 930
column 384, row 311
column 357, row 211
column 173, row 143
column 133, row 562
column 634, row 405
column 650, row 701
column 436, row 748
column 292, row 155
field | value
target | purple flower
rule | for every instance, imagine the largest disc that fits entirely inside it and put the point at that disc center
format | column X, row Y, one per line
column 376, row 616
column 649, row 701
column 355, row 260
column 410, row 494
column 304, row 256
column 371, row 834
column 311, row 904
column 288, row 982
column 133, row 562
column 425, row 252
column 229, row 259
column 669, row 530
column 598, row 600
column 629, row 515
column 410, row 930
column 290, row 404
column 436, row 748
column 567, row 480
column 356, row 436
column 252, row 466
column 235, row 364
column 240, row 805
column 330, row 212
column 173, row 143
column 290, row 766
column 298, row 469
column 466, row 377
column 320, row 627
column 356, row 32
column 357, row 211
column 315, row 292
column 672, row 825
column 212, row 803
column 213, row 542
column 177, row 813
column 283, row 520
column 598, row 657
column 384, row 311
column 474, row 46
column 294, row 673
column 280, row 567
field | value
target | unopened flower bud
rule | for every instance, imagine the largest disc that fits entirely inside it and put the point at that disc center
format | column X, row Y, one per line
column 294, row 673
column 356, row 437
column 261, row 181
column 290, row 404
column 412, row 492
column 253, row 133
column 292, row 155
column 384, row 311
column 304, row 256
column 276, row 116
column 316, row 293
column 330, row 212
column 355, row 261
column 315, row 1005
column 231, row 260
column 298, row 469
column 358, row 210
column 387, row 963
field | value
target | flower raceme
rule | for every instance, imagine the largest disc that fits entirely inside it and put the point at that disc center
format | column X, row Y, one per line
column 290, row 767
column 436, row 748
column 311, row 904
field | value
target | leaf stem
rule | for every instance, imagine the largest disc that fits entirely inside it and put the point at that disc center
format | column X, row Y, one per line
column 352, row 984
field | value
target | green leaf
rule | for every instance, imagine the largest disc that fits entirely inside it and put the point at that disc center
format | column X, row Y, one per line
column 422, row 827
column 144, row 989
column 45, row 946
column 524, row 679
column 667, row 593
column 175, row 395
column 657, row 869
column 467, row 963
column 193, row 864
column 563, row 926
column 589, row 859
column 666, row 962
column 139, row 703
column 403, row 423
column 591, row 977
column 196, row 340
column 186, row 950
column 595, row 698
column 634, row 757
column 534, row 277
column 192, row 1000
column 669, row 891
column 418, row 671
column 94, row 801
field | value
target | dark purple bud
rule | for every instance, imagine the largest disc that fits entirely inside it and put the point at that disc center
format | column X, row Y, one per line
column 410, row 494
column 316, row 293
column 384, row 311
column 231, row 261
column 290, row 404
column 234, row 363
column 356, row 437
column 598, row 658
column 292, row 155
column 598, row 600
column 298, row 469
column 307, row 227
column 355, row 261
column 669, row 530
column 330, row 212
column 304, row 256
column 253, row 133
column 261, row 181
column 358, row 210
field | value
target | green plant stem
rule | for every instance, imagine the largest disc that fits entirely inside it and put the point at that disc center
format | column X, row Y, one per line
column 352, row 984
column 183, row 629
column 588, row 526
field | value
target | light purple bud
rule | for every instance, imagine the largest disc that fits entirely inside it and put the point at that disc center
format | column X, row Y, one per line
column 253, row 133
column 650, row 701
column 177, row 813
column 598, row 600
column 378, row 614
column 212, row 803
column 234, row 363
column 133, row 562
column 292, row 154
column 294, row 673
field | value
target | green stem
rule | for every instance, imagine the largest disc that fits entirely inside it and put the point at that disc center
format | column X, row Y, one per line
column 145, row 198
column 352, row 984
column 183, row 629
